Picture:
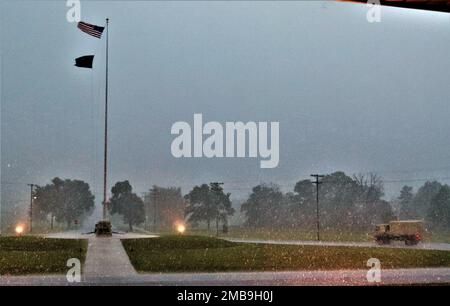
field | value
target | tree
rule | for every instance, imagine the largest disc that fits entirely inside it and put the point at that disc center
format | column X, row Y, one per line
column 65, row 200
column 303, row 203
column 439, row 210
column 208, row 203
column 422, row 200
column 345, row 202
column 221, row 203
column 405, row 202
column 262, row 208
column 164, row 206
column 371, row 208
column 339, row 201
column 45, row 203
column 385, row 212
column 198, row 207
column 126, row 203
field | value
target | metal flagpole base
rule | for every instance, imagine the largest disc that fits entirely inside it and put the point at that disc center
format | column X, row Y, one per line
column 103, row 229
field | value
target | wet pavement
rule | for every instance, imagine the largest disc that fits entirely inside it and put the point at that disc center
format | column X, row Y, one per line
column 286, row 278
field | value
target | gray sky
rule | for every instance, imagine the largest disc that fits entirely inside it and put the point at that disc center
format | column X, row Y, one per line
column 349, row 95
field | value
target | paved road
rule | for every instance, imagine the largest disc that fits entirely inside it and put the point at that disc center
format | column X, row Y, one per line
column 423, row 246
column 288, row 278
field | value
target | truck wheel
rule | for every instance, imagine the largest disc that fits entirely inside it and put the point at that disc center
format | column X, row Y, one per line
column 383, row 241
column 411, row 241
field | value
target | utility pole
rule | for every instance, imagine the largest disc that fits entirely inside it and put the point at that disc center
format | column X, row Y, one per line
column 146, row 199
column 155, row 199
column 317, row 183
column 215, row 186
column 31, row 207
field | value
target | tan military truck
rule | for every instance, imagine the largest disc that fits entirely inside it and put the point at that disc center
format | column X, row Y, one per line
column 409, row 231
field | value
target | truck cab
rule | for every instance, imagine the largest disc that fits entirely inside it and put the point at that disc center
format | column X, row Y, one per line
column 382, row 228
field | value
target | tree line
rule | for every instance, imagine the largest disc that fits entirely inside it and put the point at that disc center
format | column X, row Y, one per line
column 431, row 203
column 346, row 202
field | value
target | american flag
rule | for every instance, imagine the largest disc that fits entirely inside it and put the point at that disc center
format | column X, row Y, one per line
column 91, row 29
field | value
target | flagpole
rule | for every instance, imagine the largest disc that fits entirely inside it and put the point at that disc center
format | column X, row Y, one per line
column 105, row 168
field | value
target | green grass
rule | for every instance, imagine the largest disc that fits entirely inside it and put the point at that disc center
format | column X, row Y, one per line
column 442, row 237
column 35, row 255
column 203, row 254
column 304, row 235
column 39, row 228
column 285, row 234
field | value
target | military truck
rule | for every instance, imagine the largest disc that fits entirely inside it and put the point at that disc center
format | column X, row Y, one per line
column 409, row 231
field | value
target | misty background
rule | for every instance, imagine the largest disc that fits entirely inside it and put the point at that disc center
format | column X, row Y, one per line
column 349, row 95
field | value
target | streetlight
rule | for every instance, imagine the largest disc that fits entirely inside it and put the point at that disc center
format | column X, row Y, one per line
column 19, row 230
column 181, row 229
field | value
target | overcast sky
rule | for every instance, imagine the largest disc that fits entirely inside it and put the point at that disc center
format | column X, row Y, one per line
column 349, row 95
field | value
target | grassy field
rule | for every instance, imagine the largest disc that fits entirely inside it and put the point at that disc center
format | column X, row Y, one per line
column 39, row 228
column 296, row 234
column 278, row 234
column 438, row 237
column 204, row 254
column 34, row 255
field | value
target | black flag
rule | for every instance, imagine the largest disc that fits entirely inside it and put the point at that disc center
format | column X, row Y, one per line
column 84, row 61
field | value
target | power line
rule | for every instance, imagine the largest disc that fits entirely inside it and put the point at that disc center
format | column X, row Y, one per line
column 444, row 168
column 295, row 181
column 418, row 180
column 13, row 183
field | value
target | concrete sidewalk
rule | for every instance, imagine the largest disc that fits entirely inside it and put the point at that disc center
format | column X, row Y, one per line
column 106, row 258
